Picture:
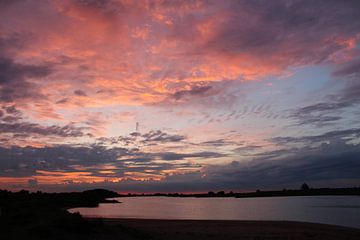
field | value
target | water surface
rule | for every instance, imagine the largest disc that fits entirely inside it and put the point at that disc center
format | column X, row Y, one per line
column 337, row 210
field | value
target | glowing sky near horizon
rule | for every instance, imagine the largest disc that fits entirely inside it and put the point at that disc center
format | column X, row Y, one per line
column 227, row 94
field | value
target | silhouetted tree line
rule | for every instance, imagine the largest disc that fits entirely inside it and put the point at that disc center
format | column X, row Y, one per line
column 304, row 190
column 90, row 198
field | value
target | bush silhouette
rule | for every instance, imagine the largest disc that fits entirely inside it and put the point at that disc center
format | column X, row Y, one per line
column 305, row 187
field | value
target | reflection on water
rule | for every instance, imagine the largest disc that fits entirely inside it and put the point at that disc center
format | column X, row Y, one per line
column 338, row 210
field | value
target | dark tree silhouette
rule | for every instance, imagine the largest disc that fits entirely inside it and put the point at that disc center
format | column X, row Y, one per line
column 221, row 193
column 305, row 187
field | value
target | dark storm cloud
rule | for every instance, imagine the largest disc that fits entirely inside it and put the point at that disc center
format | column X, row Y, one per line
column 181, row 156
column 282, row 30
column 246, row 149
column 29, row 129
column 321, row 107
column 322, row 113
column 161, row 137
column 6, row 3
column 11, row 122
column 126, row 140
column 334, row 136
column 319, row 119
column 14, row 80
column 216, row 143
column 155, row 168
column 11, row 71
column 289, row 168
column 79, row 93
column 14, row 77
column 25, row 161
column 289, row 171
column 319, row 169
column 218, row 94
column 345, row 98
column 332, row 162
column 351, row 70
column 350, row 73
column 219, row 143
column 195, row 91
column 152, row 137
column 12, row 110
column 108, row 9
column 329, row 161
column 62, row 101
column 144, row 157
column 10, row 114
column 95, row 4
column 322, row 121
column 13, row 42
column 9, row 118
column 18, row 161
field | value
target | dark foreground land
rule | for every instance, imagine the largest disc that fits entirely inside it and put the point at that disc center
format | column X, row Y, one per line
column 30, row 216
column 249, row 230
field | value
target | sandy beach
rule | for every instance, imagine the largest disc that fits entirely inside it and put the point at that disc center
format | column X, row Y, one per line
column 208, row 229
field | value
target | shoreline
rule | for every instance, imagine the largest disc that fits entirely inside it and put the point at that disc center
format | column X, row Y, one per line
column 353, row 191
column 231, row 229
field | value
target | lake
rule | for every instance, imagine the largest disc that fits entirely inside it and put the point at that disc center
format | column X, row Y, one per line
column 337, row 210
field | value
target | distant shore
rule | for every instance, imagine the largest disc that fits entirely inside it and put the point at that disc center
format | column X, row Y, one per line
column 355, row 191
column 215, row 229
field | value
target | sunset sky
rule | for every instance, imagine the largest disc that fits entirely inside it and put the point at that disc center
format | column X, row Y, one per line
column 190, row 96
